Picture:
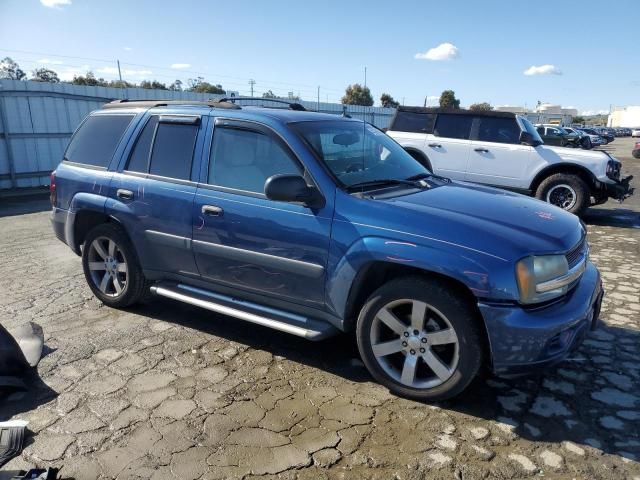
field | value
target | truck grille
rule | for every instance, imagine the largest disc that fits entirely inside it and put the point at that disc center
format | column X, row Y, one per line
column 575, row 255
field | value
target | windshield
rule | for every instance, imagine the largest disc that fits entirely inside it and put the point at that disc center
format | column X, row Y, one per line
column 528, row 126
column 358, row 152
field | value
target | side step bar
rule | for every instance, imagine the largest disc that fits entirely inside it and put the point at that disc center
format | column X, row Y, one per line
column 248, row 311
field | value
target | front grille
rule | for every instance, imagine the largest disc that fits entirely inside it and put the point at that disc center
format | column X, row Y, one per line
column 575, row 255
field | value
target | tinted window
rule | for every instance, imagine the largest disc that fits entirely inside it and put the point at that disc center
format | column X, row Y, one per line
column 414, row 122
column 139, row 159
column 540, row 130
column 244, row 159
column 499, row 130
column 173, row 150
column 453, row 126
column 97, row 139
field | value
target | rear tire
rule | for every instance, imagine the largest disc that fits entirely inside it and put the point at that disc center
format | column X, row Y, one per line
column 565, row 191
column 420, row 339
column 111, row 267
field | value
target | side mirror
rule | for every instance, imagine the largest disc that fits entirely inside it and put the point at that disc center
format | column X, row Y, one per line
column 293, row 189
column 527, row 139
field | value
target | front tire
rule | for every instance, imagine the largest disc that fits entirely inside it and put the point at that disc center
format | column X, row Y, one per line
column 566, row 191
column 420, row 339
column 111, row 267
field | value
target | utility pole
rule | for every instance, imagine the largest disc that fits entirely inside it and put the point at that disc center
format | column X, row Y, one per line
column 119, row 72
column 252, row 82
column 365, row 77
column 318, row 98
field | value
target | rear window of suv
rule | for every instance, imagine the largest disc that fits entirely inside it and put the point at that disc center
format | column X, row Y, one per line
column 96, row 141
column 413, row 122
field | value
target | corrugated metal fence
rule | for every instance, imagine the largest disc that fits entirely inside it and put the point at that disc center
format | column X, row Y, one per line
column 37, row 120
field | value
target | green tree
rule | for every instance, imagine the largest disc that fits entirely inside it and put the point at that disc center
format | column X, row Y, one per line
column 448, row 100
column 481, row 107
column 90, row 80
column 121, row 84
column 269, row 94
column 200, row 86
column 356, row 94
column 11, row 70
column 578, row 119
column 388, row 101
column 153, row 85
column 45, row 75
column 176, row 86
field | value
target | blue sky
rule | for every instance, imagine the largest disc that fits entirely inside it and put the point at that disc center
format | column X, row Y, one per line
column 584, row 53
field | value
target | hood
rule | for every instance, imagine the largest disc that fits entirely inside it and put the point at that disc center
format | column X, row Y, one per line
column 497, row 222
column 575, row 154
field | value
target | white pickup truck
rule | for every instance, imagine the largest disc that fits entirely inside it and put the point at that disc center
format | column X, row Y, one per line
column 504, row 150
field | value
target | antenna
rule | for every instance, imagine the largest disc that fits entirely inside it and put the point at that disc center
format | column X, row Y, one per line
column 252, row 82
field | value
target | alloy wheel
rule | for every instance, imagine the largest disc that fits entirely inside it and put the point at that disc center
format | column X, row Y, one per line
column 414, row 343
column 563, row 196
column 108, row 266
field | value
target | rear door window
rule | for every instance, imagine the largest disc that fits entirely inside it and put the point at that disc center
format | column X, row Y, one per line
column 498, row 130
column 453, row 126
column 414, row 122
column 97, row 140
column 139, row 159
column 172, row 152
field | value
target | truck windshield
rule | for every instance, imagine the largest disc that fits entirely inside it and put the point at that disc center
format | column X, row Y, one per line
column 528, row 126
column 358, row 153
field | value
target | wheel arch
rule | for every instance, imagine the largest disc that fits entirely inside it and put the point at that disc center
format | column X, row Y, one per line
column 566, row 168
column 86, row 220
column 420, row 156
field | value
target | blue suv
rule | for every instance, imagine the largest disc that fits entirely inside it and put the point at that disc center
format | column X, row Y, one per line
column 315, row 224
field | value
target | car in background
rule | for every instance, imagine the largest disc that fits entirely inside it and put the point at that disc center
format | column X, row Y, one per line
column 605, row 133
column 596, row 132
column 558, row 136
column 636, row 150
column 635, row 132
column 586, row 141
column 502, row 149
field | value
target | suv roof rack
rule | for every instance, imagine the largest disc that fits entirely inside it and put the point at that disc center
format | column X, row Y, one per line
column 291, row 104
column 126, row 103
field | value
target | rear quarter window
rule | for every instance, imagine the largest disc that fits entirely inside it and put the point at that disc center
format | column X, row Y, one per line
column 96, row 140
column 413, row 122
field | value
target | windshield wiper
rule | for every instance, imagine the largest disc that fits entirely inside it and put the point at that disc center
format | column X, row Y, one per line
column 422, row 176
column 381, row 182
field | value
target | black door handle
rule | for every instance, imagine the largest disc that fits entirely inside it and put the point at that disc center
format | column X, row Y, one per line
column 212, row 211
column 124, row 194
column 483, row 150
column 435, row 145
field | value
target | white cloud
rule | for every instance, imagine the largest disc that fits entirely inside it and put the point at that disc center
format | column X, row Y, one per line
column 128, row 49
column 55, row 3
column 126, row 72
column 588, row 113
column 543, row 70
column 68, row 73
column 444, row 51
column 47, row 61
column 180, row 66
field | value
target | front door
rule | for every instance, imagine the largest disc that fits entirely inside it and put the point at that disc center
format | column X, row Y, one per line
column 448, row 147
column 496, row 156
column 242, row 239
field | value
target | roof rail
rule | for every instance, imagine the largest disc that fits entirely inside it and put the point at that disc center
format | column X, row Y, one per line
column 291, row 104
column 126, row 103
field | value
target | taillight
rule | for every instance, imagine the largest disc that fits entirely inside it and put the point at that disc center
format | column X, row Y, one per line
column 52, row 188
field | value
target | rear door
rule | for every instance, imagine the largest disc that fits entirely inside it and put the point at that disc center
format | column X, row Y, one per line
column 496, row 156
column 243, row 240
column 153, row 192
column 412, row 129
column 448, row 147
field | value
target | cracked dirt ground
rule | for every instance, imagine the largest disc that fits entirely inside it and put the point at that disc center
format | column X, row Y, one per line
column 168, row 391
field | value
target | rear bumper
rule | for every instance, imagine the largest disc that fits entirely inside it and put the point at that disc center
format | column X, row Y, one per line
column 523, row 341
column 62, row 222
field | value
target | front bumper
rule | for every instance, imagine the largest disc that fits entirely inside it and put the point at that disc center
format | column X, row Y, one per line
column 523, row 340
column 620, row 190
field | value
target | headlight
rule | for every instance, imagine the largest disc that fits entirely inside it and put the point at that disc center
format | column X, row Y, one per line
column 541, row 278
